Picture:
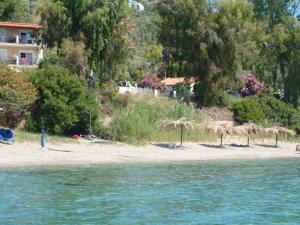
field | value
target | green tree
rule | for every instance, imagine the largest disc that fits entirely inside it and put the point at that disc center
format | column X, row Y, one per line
column 229, row 47
column 102, row 25
column 215, row 42
column 278, row 17
column 11, row 10
column 178, row 21
column 17, row 95
column 65, row 103
column 74, row 57
column 292, row 81
column 144, row 52
column 55, row 22
column 272, row 11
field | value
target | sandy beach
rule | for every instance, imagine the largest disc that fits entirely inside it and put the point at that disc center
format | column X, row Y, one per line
column 29, row 154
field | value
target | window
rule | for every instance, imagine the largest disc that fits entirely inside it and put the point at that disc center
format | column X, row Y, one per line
column 2, row 35
column 26, row 58
column 26, row 38
column 3, row 55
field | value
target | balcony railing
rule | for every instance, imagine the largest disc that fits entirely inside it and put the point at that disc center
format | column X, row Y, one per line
column 15, row 40
column 22, row 62
column 8, row 39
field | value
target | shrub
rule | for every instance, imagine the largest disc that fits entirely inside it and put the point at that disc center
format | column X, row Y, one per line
column 278, row 112
column 252, row 85
column 17, row 95
column 249, row 110
column 151, row 81
column 267, row 110
column 180, row 90
column 64, row 103
column 121, row 100
column 50, row 58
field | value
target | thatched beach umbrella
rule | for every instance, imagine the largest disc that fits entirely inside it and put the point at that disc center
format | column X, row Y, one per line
column 181, row 123
column 277, row 130
column 220, row 129
column 248, row 129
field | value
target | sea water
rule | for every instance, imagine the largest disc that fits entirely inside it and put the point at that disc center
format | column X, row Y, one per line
column 220, row 192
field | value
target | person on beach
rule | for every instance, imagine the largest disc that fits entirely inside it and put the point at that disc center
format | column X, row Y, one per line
column 298, row 148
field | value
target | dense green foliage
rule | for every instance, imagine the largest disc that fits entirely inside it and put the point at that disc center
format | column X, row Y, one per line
column 144, row 54
column 64, row 103
column 266, row 111
column 182, row 91
column 72, row 56
column 249, row 110
column 17, row 95
column 17, row 10
column 218, row 41
column 102, row 25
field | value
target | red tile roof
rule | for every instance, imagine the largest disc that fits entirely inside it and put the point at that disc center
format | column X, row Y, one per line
column 177, row 80
column 20, row 25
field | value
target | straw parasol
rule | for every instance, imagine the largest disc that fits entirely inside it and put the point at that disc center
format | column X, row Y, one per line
column 248, row 129
column 181, row 123
column 277, row 130
column 220, row 130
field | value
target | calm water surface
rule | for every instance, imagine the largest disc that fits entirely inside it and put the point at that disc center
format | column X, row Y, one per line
column 231, row 192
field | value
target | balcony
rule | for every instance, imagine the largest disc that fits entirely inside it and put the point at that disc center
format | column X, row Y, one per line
column 16, row 40
column 19, row 63
column 11, row 40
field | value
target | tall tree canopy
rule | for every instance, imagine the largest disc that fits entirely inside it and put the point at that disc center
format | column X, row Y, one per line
column 17, row 10
column 101, row 24
column 219, row 41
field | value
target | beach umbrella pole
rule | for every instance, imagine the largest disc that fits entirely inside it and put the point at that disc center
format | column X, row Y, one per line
column 221, row 140
column 276, row 140
column 90, row 123
column 248, row 141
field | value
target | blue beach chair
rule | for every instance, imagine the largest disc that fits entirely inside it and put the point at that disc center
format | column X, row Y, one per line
column 6, row 136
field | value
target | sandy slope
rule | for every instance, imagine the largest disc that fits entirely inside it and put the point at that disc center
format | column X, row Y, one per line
column 29, row 154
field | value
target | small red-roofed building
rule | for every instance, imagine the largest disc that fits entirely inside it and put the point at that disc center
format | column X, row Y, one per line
column 170, row 84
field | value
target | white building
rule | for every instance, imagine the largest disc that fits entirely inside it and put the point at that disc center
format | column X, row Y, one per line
column 136, row 5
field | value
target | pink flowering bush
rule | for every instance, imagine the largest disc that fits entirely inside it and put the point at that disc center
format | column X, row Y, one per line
column 252, row 85
column 152, row 81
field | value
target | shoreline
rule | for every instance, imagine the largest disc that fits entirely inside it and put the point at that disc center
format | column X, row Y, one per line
column 21, row 155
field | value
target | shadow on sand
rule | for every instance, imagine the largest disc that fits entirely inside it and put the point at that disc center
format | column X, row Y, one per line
column 268, row 146
column 240, row 146
column 58, row 150
column 214, row 146
column 169, row 146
